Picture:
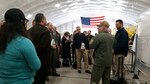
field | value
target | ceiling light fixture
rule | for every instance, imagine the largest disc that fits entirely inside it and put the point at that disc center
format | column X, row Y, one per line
column 65, row 10
column 57, row 5
column 147, row 13
column 29, row 16
column 141, row 16
column 86, row 1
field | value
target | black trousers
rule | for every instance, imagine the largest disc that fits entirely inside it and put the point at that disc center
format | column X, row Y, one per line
column 53, row 61
column 73, row 53
column 41, row 75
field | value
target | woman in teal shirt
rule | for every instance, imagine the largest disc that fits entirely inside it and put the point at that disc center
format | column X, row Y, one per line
column 18, row 58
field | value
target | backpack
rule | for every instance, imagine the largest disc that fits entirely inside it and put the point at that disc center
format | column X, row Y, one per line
column 58, row 63
column 65, row 63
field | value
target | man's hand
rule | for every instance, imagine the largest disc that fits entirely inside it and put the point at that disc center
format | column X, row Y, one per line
column 53, row 46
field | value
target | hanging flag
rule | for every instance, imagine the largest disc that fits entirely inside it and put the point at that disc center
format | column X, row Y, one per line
column 91, row 22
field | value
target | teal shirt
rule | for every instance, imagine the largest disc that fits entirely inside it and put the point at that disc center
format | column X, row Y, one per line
column 19, row 62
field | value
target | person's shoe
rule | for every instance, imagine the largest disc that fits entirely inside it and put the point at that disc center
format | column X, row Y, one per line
column 70, row 64
column 56, row 74
column 79, row 71
column 114, row 76
column 47, row 79
column 88, row 71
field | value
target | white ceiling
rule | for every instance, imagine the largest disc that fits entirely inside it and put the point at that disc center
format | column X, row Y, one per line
column 69, row 10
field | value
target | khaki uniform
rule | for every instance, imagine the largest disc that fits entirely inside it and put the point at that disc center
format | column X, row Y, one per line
column 102, row 44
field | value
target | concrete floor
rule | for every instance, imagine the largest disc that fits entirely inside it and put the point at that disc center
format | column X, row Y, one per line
column 70, row 76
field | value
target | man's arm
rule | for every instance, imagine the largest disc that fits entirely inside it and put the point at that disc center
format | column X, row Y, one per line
column 94, row 42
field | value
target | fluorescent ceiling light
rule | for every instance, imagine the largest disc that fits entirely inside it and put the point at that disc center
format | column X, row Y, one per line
column 86, row 1
column 64, row 11
column 57, row 5
column 147, row 12
column 29, row 16
column 141, row 16
column 73, row 4
column 122, row 2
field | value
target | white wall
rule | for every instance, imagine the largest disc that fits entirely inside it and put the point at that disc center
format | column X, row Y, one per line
column 71, row 26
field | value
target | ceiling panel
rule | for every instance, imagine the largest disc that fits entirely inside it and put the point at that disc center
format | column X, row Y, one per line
column 127, row 9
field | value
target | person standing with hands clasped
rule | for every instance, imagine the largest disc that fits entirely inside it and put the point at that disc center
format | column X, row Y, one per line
column 66, row 54
column 81, row 44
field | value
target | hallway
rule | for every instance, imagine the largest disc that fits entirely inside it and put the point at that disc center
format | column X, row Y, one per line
column 70, row 75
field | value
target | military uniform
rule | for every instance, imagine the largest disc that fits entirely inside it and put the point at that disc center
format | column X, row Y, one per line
column 102, row 44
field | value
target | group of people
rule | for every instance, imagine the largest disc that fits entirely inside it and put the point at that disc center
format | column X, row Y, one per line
column 30, row 56
column 46, row 41
column 109, row 51
column 27, row 56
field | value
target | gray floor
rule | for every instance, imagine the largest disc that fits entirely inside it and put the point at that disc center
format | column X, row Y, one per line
column 70, row 76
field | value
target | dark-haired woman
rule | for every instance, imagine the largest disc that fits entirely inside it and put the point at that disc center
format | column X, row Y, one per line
column 66, row 49
column 18, row 58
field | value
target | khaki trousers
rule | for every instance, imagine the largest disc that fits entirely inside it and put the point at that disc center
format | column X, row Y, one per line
column 82, row 54
column 115, row 64
column 90, row 54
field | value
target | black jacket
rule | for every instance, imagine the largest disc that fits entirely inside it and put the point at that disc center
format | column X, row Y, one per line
column 40, row 37
column 65, row 48
column 78, row 39
column 89, row 37
column 121, row 42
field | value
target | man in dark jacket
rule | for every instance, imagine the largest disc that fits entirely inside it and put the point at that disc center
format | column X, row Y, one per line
column 40, row 37
column 57, row 37
column 53, row 51
column 90, row 51
column 81, row 44
column 120, row 47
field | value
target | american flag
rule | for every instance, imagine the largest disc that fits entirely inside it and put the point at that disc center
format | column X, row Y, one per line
column 91, row 22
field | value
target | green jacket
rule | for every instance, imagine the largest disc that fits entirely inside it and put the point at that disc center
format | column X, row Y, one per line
column 102, row 44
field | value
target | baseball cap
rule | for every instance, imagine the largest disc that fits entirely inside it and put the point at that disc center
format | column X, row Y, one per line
column 103, row 23
column 14, row 15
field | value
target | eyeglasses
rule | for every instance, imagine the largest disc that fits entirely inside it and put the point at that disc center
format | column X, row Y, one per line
column 26, row 21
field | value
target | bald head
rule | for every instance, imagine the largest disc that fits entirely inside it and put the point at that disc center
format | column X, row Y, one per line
column 78, row 29
column 89, row 32
column 49, row 26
